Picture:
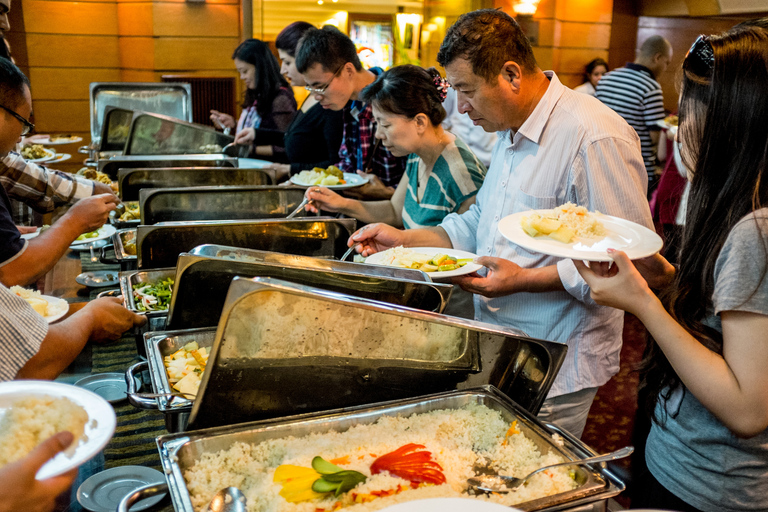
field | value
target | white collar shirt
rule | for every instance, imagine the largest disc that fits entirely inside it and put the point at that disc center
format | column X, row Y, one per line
column 570, row 148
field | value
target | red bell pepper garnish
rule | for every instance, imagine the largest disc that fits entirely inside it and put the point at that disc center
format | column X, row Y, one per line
column 409, row 464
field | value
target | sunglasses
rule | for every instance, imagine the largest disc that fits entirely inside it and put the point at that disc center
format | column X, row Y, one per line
column 28, row 127
column 700, row 59
column 322, row 88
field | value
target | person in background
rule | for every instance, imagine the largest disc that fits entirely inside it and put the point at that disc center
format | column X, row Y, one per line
column 634, row 93
column 555, row 146
column 331, row 68
column 23, row 261
column 269, row 102
column 314, row 136
column 708, row 446
column 593, row 72
column 442, row 175
column 478, row 140
column 5, row 49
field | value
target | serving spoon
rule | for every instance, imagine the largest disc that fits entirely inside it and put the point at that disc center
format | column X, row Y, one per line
column 503, row 483
column 228, row 499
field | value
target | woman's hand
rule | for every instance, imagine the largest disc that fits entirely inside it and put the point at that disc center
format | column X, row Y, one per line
column 222, row 120
column 619, row 285
column 245, row 136
column 377, row 237
column 324, row 199
column 375, row 189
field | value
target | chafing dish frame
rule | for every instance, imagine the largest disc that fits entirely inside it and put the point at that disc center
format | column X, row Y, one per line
column 130, row 181
column 112, row 165
column 126, row 261
column 180, row 451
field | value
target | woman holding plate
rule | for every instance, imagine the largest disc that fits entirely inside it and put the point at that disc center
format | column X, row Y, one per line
column 442, row 175
column 708, row 388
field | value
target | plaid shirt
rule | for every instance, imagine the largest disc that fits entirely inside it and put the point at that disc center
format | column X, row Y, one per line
column 38, row 187
column 359, row 132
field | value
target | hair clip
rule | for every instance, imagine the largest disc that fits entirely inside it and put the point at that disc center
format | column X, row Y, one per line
column 442, row 87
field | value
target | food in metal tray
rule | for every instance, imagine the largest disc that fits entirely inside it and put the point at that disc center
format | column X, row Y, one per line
column 153, row 296
column 410, row 258
column 34, row 151
column 373, row 466
column 31, row 420
column 564, row 224
column 132, row 211
column 319, row 176
column 185, row 368
column 94, row 175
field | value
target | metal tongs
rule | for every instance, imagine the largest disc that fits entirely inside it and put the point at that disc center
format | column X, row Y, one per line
column 236, row 150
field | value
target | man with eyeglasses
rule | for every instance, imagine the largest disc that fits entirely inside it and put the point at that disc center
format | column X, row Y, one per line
column 23, row 261
column 331, row 68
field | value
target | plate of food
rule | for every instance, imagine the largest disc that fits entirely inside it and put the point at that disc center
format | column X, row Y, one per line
column 32, row 411
column 36, row 153
column 104, row 232
column 53, row 140
column 51, row 308
column 332, row 178
column 439, row 262
column 60, row 157
column 570, row 231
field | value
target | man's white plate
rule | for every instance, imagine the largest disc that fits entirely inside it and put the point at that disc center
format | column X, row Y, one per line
column 57, row 308
column 380, row 257
column 60, row 157
column 46, row 140
column 50, row 155
column 623, row 235
column 99, row 429
column 449, row 505
column 105, row 231
column 352, row 181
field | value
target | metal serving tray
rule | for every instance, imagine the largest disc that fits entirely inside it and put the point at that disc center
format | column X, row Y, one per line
column 202, row 282
column 159, row 245
column 156, row 320
column 170, row 98
column 179, row 452
column 120, row 239
column 112, row 165
column 261, row 314
column 218, row 203
column 157, row 134
column 130, row 181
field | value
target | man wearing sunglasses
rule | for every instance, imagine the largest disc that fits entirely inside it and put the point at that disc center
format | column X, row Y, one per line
column 334, row 76
column 22, row 261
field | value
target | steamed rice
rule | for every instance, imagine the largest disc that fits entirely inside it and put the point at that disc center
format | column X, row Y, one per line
column 580, row 220
column 456, row 439
column 30, row 421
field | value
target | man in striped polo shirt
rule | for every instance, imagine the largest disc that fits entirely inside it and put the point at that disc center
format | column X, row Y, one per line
column 634, row 93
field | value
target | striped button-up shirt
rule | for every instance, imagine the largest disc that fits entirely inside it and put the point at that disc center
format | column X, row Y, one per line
column 571, row 148
column 21, row 332
column 41, row 188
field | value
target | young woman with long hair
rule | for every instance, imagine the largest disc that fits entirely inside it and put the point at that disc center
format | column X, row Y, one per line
column 706, row 372
column 269, row 103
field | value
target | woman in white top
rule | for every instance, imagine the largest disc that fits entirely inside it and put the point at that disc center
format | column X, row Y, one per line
column 592, row 74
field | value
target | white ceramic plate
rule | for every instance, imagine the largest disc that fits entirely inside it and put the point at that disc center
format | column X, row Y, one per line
column 46, row 140
column 105, row 231
column 60, row 157
column 352, row 181
column 99, row 429
column 103, row 491
column 449, row 505
column 27, row 236
column 50, row 155
column 57, row 308
column 623, row 235
column 98, row 244
column 98, row 279
column 379, row 257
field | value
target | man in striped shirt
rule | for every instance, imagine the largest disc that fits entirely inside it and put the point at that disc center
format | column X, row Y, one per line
column 634, row 93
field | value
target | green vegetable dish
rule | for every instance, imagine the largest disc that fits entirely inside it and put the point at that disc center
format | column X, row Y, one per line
column 153, row 297
column 86, row 236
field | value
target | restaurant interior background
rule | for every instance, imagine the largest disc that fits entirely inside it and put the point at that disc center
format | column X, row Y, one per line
column 65, row 45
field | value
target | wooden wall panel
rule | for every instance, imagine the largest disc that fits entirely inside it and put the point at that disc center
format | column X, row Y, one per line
column 70, row 51
column 135, row 18
column 594, row 11
column 61, row 115
column 68, row 83
column 583, row 35
column 188, row 53
column 204, row 20
column 137, row 53
column 58, row 17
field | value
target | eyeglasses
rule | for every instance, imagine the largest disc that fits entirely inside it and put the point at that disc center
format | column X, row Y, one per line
column 700, row 59
column 28, row 127
column 322, row 88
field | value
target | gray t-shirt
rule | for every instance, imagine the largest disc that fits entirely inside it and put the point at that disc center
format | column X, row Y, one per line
column 693, row 454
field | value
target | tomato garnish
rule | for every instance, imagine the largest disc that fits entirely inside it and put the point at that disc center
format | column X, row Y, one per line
column 409, row 464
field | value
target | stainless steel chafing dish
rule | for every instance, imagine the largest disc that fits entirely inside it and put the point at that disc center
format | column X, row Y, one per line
column 218, row 203
column 157, row 134
column 250, row 354
column 122, row 240
column 112, row 165
column 596, row 484
column 159, row 245
column 156, row 320
column 130, row 181
column 203, row 278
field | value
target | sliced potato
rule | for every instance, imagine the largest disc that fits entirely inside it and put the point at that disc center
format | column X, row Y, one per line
column 563, row 234
column 546, row 225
